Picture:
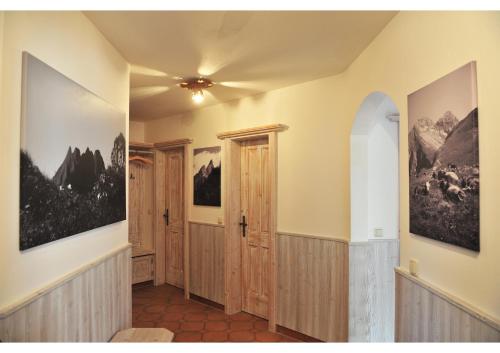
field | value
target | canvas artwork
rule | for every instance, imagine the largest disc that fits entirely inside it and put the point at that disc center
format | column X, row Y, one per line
column 444, row 159
column 72, row 158
column 207, row 176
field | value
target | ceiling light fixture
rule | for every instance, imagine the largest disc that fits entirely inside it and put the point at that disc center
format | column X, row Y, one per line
column 196, row 86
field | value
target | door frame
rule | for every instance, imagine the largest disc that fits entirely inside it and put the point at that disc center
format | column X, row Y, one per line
column 232, row 207
column 159, row 192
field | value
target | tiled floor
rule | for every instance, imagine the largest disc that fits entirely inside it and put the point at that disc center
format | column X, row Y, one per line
column 165, row 306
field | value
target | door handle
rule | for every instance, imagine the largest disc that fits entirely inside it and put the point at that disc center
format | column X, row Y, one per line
column 165, row 216
column 243, row 225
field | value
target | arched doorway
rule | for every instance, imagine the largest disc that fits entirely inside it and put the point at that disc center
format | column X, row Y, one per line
column 374, row 247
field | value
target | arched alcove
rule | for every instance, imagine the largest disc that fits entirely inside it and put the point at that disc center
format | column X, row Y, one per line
column 374, row 247
column 375, row 170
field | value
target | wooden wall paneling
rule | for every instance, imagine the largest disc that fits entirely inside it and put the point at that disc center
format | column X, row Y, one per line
column 425, row 313
column 312, row 296
column 159, row 192
column 187, row 202
column 89, row 305
column 232, row 239
column 207, row 261
column 371, row 290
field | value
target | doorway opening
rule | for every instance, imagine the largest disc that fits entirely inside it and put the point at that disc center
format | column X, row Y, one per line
column 374, row 247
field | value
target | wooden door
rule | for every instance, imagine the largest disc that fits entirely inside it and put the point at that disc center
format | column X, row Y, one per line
column 255, row 200
column 174, row 217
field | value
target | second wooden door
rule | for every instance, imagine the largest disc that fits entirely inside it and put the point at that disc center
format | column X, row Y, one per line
column 174, row 217
column 255, row 200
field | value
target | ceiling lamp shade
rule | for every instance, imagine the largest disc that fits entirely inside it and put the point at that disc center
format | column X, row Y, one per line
column 196, row 86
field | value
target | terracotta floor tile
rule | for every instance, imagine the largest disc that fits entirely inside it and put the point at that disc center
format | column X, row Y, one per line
column 261, row 325
column 192, row 326
column 265, row 336
column 172, row 316
column 196, row 316
column 241, row 325
column 216, row 315
column 214, row 337
column 148, row 316
column 191, row 321
column 187, row 337
column 143, row 324
column 242, row 317
column 216, row 326
column 172, row 326
column 175, row 308
column 156, row 308
column 241, row 336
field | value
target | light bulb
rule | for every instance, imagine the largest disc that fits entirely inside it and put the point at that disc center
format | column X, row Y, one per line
column 198, row 96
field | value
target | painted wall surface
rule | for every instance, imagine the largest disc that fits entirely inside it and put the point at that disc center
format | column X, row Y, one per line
column 383, row 174
column 68, row 42
column 413, row 50
column 136, row 131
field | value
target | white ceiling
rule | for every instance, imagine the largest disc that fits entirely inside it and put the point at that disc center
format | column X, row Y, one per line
column 243, row 52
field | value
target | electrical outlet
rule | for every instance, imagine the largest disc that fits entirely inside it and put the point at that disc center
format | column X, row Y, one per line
column 379, row 232
column 413, row 267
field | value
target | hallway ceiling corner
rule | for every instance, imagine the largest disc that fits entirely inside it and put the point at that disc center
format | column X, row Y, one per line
column 244, row 52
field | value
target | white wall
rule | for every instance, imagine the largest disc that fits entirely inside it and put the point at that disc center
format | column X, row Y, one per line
column 136, row 131
column 414, row 49
column 68, row 42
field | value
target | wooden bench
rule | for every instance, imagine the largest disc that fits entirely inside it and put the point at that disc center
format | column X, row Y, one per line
column 143, row 335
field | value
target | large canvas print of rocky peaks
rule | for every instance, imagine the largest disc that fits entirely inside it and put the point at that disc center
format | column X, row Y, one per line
column 207, row 176
column 72, row 158
column 444, row 159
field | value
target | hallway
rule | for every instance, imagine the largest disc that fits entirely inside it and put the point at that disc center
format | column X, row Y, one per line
column 165, row 306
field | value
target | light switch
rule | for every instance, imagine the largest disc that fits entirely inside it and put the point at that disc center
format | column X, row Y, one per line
column 219, row 220
column 379, row 232
column 413, row 267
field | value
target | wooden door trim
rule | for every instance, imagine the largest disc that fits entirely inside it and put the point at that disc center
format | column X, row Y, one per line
column 232, row 239
column 252, row 132
column 160, row 148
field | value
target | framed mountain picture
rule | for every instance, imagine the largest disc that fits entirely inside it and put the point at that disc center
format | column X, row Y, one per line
column 444, row 159
column 72, row 158
column 207, row 176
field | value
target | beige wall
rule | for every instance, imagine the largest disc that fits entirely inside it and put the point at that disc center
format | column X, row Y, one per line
column 313, row 159
column 136, row 131
column 68, row 42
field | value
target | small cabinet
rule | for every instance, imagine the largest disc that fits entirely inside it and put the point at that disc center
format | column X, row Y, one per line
column 142, row 268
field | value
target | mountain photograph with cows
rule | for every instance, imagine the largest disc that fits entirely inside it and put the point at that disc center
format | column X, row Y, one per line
column 72, row 161
column 444, row 159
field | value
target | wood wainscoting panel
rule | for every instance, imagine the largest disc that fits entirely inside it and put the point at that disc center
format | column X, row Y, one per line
column 371, row 290
column 425, row 313
column 313, row 286
column 206, row 261
column 89, row 305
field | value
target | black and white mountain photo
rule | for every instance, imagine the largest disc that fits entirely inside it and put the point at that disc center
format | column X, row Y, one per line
column 444, row 159
column 72, row 158
column 207, row 176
